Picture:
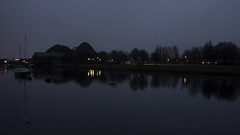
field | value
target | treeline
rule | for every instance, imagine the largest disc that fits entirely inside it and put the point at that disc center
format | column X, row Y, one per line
column 222, row 53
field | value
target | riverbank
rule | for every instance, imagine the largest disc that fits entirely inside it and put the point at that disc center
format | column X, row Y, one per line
column 161, row 68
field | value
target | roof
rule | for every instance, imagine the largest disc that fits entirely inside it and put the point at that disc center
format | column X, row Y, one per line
column 47, row 54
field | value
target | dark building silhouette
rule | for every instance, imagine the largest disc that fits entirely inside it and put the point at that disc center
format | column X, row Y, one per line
column 46, row 57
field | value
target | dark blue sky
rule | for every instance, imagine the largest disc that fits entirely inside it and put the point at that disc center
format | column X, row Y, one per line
column 116, row 24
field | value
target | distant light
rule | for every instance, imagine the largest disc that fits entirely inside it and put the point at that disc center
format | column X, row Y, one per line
column 216, row 63
column 91, row 73
column 168, row 60
column 23, row 61
column 16, row 59
column 208, row 63
column 111, row 59
column 5, row 61
column 90, row 59
column 99, row 73
column 185, row 80
column 176, row 60
column 187, row 60
column 99, row 59
column 203, row 62
column 185, row 57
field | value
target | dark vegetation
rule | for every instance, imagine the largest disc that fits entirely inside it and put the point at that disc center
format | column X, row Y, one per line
column 225, row 53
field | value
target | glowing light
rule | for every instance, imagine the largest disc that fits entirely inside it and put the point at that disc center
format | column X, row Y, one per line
column 98, row 73
column 5, row 61
column 99, row 59
column 187, row 60
column 90, row 59
column 185, row 57
column 185, row 80
column 216, row 63
column 111, row 59
column 91, row 73
column 203, row 62
column 208, row 63
column 168, row 60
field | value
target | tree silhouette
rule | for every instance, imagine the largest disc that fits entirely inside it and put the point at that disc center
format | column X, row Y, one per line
column 228, row 52
column 103, row 55
column 134, row 54
column 143, row 55
column 175, row 52
column 209, row 52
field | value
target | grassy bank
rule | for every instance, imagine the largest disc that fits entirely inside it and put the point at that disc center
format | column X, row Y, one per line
column 164, row 68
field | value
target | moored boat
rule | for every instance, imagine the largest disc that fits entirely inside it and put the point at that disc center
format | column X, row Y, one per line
column 22, row 72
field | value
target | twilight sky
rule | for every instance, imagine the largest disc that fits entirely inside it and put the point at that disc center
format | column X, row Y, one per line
column 116, row 24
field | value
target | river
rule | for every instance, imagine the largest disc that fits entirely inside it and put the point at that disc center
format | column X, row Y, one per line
column 90, row 102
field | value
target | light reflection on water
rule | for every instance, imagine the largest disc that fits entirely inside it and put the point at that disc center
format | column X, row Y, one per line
column 84, row 102
column 208, row 87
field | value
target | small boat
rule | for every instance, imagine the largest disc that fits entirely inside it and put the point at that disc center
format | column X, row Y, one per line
column 47, row 80
column 22, row 72
column 111, row 83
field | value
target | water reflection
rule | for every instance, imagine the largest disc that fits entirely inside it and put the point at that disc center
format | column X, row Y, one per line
column 209, row 87
column 138, row 82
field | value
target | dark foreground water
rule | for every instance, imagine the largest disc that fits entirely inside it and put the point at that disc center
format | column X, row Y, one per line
column 93, row 102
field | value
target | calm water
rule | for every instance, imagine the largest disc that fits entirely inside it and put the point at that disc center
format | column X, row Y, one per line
column 83, row 102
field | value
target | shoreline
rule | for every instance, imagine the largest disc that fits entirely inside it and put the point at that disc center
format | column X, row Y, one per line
column 232, row 70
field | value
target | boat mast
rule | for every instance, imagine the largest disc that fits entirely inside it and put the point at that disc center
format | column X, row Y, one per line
column 20, row 51
column 25, row 46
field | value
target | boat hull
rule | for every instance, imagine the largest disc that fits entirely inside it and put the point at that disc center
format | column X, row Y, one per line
column 23, row 73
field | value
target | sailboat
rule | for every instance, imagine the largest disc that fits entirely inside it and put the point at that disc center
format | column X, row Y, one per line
column 23, row 72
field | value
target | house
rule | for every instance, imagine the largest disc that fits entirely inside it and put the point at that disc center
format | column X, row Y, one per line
column 47, row 57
